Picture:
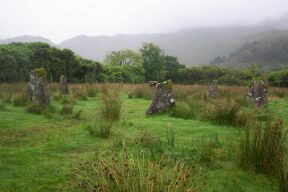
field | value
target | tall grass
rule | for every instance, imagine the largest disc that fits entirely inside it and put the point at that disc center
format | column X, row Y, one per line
column 92, row 91
column 283, row 181
column 141, row 91
column 111, row 103
column 261, row 150
column 225, row 112
column 149, row 143
column 101, row 128
column 2, row 106
column 170, row 136
column 109, row 113
column 120, row 172
column 19, row 99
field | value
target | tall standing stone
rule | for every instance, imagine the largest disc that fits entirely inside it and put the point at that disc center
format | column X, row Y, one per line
column 258, row 93
column 163, row 98
column 37, row 87
column 213, row 89
column 63, row 85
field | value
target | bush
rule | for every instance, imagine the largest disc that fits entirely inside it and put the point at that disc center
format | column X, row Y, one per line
column 110, row 109
column 19, row 99
column 261, row 150
column 121, row 172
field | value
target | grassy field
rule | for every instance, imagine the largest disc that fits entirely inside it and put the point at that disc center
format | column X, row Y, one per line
column 41, row 152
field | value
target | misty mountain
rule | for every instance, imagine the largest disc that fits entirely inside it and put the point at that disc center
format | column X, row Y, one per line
column 191, row 46
column 27, row 39
column 269, row 54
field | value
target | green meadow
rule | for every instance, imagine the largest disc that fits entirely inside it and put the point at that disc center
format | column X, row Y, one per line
column 44, row 152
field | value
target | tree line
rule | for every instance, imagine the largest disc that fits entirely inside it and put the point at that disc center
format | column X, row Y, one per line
column 125, row 66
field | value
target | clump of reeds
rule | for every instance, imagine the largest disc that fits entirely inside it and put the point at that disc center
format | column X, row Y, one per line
column 261, row 149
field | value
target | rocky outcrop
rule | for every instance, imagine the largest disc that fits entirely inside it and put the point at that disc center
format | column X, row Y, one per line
column 258, row 93
column 37, row 87
column 163, row 98
column 213, row 89
column 63, row 85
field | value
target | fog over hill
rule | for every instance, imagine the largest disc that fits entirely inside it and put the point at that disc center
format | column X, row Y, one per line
column 192, row 46
column 27, row 38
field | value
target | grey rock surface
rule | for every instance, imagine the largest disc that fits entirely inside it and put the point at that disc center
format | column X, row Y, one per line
column 164, row 97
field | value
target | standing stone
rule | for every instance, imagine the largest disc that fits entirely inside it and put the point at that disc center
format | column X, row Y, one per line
column 63, row 85
column 163, row 97
column 37, row 87
column 213, row 89
column 258, row 93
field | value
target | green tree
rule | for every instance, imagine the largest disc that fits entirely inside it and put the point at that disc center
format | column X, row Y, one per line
column 153, row 61
column 171, row 66
column 123, row 57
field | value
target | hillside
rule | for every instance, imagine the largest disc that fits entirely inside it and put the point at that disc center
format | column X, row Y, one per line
column 27, row 39
column 194, row 46
column 269, row 54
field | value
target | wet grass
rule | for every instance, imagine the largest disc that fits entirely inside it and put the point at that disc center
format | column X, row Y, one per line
column 39, row 153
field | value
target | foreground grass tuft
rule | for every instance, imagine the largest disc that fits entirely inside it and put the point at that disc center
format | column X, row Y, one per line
column 261, row 150
column 122, row 172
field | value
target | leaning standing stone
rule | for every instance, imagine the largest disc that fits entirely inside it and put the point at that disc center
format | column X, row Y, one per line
column 63, row 85
column 258, row 93
column 213, row 89
column 163, row 97
column 37, row 87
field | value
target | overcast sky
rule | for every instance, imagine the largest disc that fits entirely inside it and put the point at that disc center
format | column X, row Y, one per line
column 61, row 19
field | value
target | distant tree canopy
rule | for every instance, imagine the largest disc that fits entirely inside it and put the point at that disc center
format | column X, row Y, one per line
column 279, row 78
column 126, row 66
column 153, row 61
column 18, row 59
column 123, row 57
